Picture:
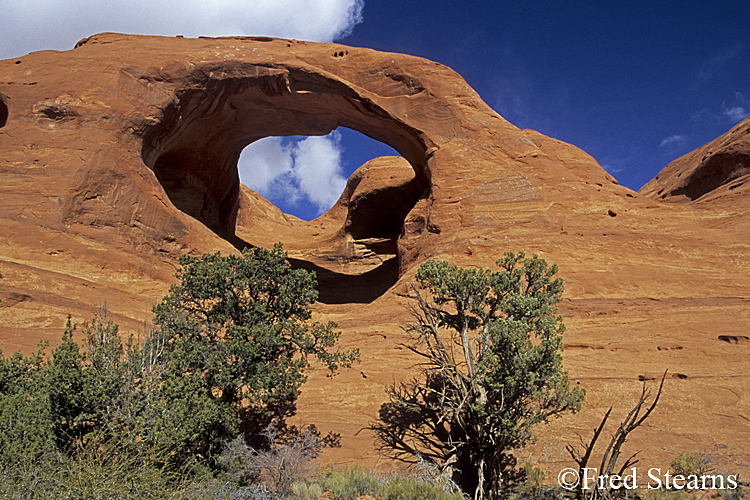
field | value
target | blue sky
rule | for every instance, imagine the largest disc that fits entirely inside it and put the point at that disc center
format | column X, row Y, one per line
column 634, row 84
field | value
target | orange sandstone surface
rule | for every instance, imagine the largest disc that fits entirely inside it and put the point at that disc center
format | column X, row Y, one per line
column 120, row 154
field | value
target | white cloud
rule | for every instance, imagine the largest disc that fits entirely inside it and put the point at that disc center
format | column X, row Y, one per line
column 612, row 170
column 317, row 165
column 673, row 141
column 736, row 113
column 263, row 162
column 736, row 110
column 292, row 169
column 307, row 169
column 27, row 25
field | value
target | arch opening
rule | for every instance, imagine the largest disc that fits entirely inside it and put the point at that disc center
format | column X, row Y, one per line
column 194, row 152
column 306, row 176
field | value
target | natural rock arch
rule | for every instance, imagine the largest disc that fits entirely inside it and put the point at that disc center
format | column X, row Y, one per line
column 194, row 149
column 158, row 133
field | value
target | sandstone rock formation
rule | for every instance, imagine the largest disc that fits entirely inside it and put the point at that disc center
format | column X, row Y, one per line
column 710, row 172
column 120, row 154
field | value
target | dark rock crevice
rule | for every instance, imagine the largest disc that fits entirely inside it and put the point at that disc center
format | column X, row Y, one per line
column 4, row 112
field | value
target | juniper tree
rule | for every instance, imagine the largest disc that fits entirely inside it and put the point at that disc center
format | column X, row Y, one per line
column 238, row 337
column 491, row 369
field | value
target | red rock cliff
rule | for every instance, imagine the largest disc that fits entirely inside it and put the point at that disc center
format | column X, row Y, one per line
column 120, row 154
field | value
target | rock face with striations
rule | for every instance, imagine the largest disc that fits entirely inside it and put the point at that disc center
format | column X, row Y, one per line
column 122, row 153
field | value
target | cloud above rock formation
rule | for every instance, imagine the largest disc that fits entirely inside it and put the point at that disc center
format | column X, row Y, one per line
column 673, row 140
column 736, row 113
column 304, row 170
column 674, row 144
column 27, row 26
column 736, row 110
column 295, row 170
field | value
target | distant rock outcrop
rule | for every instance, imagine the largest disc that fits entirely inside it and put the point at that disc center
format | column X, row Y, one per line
column 714, row 170
column 120, row 154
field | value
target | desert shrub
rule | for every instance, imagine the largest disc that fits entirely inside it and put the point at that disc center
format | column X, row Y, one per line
column 353, row 482
column 305, row 490
column 219, row 490
column 399, row 488
column 734, row 493
column 278, row 466
column 688, row 464
column 349, row 483
column 96, row 471
column 665, row 494
column 425, row 471
column 532, row 486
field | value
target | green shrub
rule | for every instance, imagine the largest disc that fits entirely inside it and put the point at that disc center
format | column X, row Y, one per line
column 26, row 423
column 112, row 471
column 404, row 489
column 688, row 464
column 353, row 482
column 349, row 483
column 305, row 490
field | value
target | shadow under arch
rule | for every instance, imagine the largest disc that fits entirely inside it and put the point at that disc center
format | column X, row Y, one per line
column 339, row 288
column 194, row 150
